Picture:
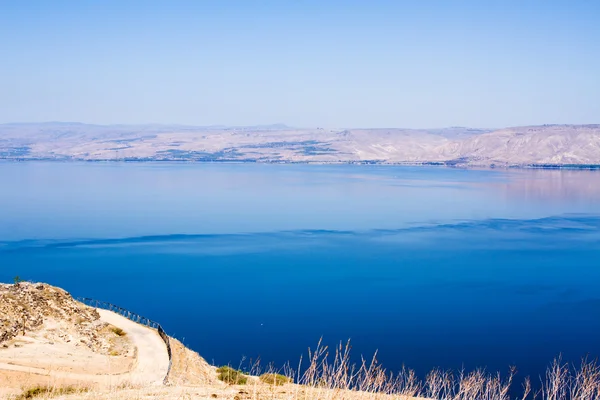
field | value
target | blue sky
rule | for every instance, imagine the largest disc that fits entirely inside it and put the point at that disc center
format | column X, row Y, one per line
column 305, row 63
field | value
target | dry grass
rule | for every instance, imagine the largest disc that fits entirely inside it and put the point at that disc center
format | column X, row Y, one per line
column 330, row 374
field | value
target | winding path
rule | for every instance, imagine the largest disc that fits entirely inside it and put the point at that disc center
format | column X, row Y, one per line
column 152, row 357
column 150, row 367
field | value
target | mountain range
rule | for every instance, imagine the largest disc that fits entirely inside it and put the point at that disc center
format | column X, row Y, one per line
column 545, row 145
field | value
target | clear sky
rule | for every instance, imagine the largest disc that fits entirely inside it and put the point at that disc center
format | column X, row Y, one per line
column 330, row 63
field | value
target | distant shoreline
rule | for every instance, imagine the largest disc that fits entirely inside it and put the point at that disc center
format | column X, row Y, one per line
column 539, row 147
column 448, row 164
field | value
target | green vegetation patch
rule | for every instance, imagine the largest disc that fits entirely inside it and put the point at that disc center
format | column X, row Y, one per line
column 275, row 379
column 231, row 376
column 48, row 391
column 118, row 331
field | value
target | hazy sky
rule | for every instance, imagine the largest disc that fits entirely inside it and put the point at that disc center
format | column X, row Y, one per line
column 331, row 63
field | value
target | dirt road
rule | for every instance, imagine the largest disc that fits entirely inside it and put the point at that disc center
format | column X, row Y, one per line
column 152, row 358
column 37, row 360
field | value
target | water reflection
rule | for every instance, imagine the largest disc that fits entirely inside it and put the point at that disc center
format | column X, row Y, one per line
column 556, row 186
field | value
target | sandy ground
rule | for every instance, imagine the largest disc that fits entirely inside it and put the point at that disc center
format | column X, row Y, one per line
column 34, row 360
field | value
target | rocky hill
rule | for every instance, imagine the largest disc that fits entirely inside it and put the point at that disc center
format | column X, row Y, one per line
column 520, row 146
column 52, row 347
column 49, row 340
column 35, row 364
column 539, row 145
column 27, row 307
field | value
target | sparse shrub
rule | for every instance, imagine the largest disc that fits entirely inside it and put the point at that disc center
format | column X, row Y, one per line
column 275, row 379
column 118, row 331
column 48, row 391
column 231, row 376
column 17, row 279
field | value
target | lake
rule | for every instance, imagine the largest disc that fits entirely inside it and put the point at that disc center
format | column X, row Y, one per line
column 431, row 266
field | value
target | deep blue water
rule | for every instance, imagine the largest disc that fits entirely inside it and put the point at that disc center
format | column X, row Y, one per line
column 434, row 267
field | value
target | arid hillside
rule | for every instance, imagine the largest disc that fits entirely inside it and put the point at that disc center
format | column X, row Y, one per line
column 27, row 309
column 540, row 145
column 53, row 347
column 48, row 339
column 457, row 146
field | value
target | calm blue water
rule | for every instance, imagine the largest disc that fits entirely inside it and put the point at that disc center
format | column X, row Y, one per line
column 433, row 267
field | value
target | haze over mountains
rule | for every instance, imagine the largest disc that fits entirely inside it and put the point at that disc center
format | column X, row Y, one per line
column 545, row 145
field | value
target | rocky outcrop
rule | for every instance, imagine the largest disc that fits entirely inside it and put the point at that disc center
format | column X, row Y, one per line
column 28, row 307
column 188, row 368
